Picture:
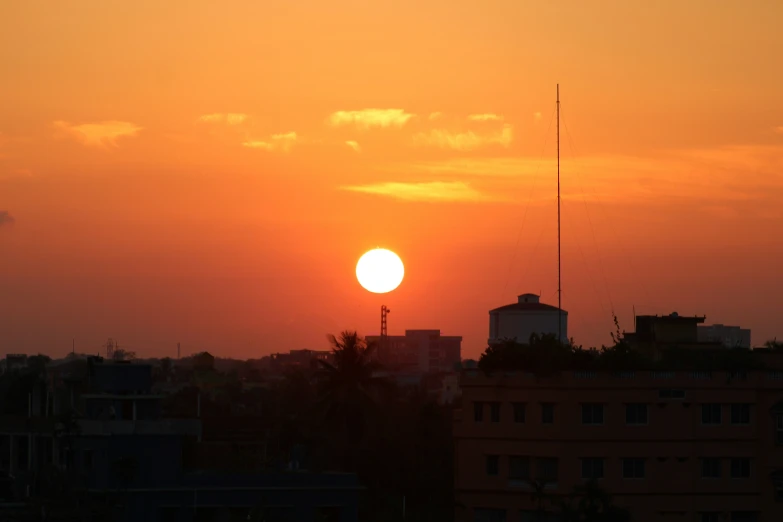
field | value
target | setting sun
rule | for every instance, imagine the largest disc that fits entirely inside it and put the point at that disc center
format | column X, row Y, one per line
column 380, row 271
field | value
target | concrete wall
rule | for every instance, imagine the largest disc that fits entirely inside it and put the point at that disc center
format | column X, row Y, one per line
column 158, row 459
column 278, row 504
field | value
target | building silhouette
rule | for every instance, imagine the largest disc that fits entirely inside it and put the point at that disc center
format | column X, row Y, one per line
column 728, row 336
column 418, row 351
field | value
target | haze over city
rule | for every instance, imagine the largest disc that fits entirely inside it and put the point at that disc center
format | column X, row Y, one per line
column 210, row 175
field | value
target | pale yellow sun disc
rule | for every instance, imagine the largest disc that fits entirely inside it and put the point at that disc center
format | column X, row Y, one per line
column 380, row 271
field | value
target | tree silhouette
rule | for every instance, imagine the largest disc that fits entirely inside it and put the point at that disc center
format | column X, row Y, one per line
column 591, row 503
column 774, row 345
column 347, row 387
column 120, row 354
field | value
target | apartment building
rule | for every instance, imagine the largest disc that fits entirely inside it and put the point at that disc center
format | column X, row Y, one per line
column 418, row 351
column 689, row 446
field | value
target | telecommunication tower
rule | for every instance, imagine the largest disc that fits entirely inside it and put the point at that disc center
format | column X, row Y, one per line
column 384, row 312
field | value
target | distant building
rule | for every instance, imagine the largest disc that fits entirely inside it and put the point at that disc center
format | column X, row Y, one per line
column 655, row 333
column 14, row 361
column 526, row 317
column 418, row 351
column 204, row 361
column 298, row 359
column 728, row 336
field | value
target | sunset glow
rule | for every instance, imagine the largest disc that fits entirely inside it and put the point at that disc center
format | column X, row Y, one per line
column 206, row 174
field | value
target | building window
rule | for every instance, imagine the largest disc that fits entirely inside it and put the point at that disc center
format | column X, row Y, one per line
column 710, row 414
column 710, row 468
column 494, row 411
column 592, row 469
column 492, row 463
column 547, row 413
column 712, row 516
column 519, row 412
column 740, row 413
column 671, row 394
column 633, row 468
column 478, row 411
column 636, row 414
column 744, row 516
column 592, row 413
column 489, row 515
column 518, row 468
column 740, row 376
column 740, row 468
column 546, row 469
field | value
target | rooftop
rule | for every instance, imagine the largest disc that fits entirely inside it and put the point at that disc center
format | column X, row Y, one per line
column 674, row 317
column 528, row 302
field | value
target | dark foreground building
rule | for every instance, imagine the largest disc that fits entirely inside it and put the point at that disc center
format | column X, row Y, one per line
column 693, row 442
column 98, row 430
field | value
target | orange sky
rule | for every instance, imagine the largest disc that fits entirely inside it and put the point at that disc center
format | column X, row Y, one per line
column 210, row 172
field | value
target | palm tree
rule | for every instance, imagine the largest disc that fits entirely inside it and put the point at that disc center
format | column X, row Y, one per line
column 348, row 386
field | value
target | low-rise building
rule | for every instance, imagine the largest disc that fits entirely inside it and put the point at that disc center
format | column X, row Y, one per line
column 728, row 336
column 302, row 359
column 101, row 424
column 656, row 333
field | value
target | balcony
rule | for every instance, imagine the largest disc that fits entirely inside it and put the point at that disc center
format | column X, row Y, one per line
column 190, row 427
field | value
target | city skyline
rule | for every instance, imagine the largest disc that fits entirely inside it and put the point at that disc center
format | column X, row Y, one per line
column 211, row 176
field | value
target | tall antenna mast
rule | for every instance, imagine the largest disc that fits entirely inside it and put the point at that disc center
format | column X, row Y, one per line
column 559, row 288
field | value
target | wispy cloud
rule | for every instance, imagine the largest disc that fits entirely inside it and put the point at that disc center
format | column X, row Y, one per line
column 485, row 117
column 229, row 118
column 354, row 145
column 283, row 142
column 727, row 174
column 6, row 218
column 98, row 134
column 368, row 118
column 464, row 140
column 442, row 191
column 434, row 115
